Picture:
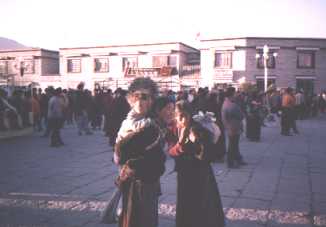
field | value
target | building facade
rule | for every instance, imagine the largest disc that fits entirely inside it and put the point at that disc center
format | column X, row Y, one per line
column 22, row 67
column 292, row 62
column 115, row 66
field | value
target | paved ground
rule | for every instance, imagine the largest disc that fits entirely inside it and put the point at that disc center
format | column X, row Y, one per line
column 283, row 185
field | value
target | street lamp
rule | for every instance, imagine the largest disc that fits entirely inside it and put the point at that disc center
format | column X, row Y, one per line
column 265, row 60
column 265, row 57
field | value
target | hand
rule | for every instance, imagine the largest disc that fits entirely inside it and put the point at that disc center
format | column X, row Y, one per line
column 126, row 172
column 184, row 133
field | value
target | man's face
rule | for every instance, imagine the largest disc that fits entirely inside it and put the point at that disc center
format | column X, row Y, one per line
column 142, row 101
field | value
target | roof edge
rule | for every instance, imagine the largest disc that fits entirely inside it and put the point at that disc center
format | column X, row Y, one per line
column 253, row 37
column 127, row 45
column 27, row 49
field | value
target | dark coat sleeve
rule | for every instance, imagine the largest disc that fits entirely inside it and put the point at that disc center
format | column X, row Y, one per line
column 143, row 153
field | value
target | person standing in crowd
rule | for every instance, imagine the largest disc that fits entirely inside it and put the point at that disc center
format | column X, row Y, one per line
column 299, row 105
column 322, row 102
column 232, row 117
column 36, row 110
column 80, row 110
column 55, row 118
column 163, row 114
column 118, row 112
column 98, row 110
column 287, row 120
column 214, row 106
column 44, row 109
column 275, row 102
column 140, row 155
column 253, row 118
column 198, row 198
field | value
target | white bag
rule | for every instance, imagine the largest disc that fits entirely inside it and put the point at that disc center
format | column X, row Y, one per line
column 208, row 120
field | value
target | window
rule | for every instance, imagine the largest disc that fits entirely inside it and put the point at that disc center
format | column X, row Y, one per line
column 306, row 59
column 129, row 62
column 261, row 83
column 28, row 65
column 270, row 60
column 101, row 65
column 3, row 67
column 307, row 85
column 172, row 60
column 74, row 66
column 193, row 59
column 223, row 60
column 159, row 61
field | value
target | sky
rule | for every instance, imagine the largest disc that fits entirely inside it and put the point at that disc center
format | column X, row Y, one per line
column 54, row 24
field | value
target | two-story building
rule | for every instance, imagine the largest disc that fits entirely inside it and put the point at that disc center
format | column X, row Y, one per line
column 21, row 67
column 115, row 66
column 296, row 62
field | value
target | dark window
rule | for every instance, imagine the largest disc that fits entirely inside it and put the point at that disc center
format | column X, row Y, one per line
column 306, row 59
column 193, row 59
column 270, row 60
column 74, row 66
column 129, row 62
column 307, row 85
column 260, row 83
column 223, row 60
column 101, row 65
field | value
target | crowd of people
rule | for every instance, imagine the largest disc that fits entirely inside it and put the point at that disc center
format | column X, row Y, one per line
column 145, row 125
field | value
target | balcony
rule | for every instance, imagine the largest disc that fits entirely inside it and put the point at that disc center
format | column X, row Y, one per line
column 150, row 72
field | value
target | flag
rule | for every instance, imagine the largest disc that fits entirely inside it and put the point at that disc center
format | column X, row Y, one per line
column 198, row 36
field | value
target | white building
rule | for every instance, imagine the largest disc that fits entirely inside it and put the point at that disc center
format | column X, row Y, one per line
column 115, row 66
column 21, row 67
column 300, row 62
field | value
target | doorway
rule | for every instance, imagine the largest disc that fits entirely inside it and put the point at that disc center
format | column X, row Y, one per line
column 306, row 85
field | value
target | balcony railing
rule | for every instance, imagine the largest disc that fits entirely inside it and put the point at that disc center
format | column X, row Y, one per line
column 153, row 72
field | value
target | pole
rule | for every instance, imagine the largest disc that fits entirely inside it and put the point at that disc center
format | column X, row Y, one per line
column 265, row 57
column 265, row 75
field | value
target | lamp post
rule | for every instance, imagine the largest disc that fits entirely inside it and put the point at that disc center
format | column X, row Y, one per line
column 265, row 58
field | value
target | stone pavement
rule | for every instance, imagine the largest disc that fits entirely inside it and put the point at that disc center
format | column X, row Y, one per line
column 283, row 185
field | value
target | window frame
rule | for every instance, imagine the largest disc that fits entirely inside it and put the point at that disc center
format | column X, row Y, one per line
column 313, row 59
column 31, row 68
column 222, row 65
column 126, row 59
column 260, row 60
column 80, row 65
column 106, row 70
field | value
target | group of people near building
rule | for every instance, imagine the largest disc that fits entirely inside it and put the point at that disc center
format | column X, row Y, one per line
column 145, row 126
column 15, row 110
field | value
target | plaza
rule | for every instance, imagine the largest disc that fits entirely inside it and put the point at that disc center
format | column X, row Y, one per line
column 283, row 185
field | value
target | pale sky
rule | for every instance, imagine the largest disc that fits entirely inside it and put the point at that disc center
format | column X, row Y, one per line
column 53, row 24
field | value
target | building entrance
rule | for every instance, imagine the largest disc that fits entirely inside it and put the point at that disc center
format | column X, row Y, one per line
column 307, row 85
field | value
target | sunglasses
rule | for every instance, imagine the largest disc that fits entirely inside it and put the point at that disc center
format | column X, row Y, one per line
column 142, row 96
